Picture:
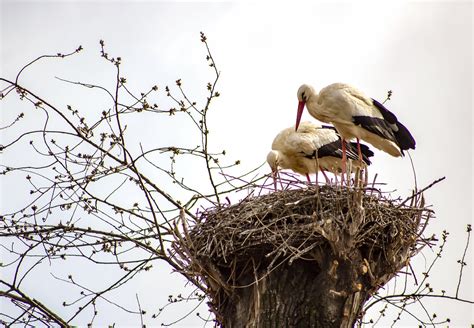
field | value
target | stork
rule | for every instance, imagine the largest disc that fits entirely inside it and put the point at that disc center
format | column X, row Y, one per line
column 310, row 149
column 355, row 115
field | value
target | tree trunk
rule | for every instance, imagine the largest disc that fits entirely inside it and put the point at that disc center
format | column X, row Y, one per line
column 308, row 293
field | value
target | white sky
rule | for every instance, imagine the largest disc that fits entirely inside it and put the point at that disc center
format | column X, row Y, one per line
column 420, row 50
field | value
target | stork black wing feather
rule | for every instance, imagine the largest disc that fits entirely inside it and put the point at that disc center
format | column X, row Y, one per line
column 403, row 137
column 331, row 149
column 376, row 125
column 330, row 127
column 387, row 115
column 334, row 149
column 364, row 149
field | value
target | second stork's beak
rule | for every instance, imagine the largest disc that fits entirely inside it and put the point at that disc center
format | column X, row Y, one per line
column 275, row 177
column 299, row 114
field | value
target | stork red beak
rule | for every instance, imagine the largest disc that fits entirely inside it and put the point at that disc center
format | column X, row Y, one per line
column 275, row 176
column 299, row 114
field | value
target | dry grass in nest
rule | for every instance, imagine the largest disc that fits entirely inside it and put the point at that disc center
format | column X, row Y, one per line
column 290, row 225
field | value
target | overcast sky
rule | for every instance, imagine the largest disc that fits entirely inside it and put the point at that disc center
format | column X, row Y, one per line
column 420, row 50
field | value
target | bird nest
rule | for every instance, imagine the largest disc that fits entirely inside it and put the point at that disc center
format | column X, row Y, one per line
column 364, row 226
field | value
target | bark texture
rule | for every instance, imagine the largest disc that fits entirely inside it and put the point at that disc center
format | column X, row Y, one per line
column 308, row 293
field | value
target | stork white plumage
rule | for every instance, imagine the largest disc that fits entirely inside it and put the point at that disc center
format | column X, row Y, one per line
column 355, row 115
column 310, row 149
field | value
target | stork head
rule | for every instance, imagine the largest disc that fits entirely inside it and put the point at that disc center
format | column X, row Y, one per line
column 304, row 93
column 273, row 161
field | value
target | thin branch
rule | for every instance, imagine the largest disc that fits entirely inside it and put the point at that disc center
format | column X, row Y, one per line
column 462, row 262
column 421, row 191
column 23, row 298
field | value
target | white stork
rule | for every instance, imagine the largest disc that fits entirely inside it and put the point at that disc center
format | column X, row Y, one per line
column 310, row 149
column 355, row 115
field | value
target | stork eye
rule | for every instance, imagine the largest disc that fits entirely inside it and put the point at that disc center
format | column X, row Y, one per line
column 303, row 96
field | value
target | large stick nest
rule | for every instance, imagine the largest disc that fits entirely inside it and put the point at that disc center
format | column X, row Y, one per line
column 288, row 225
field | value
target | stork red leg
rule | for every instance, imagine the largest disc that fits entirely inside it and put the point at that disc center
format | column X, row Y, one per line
column 325, row 176
column 359, row 151
column 307, row 178
column 344, row 161
column 274, row 176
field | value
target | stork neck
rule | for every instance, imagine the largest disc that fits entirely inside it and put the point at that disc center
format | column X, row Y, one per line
column 312, row 102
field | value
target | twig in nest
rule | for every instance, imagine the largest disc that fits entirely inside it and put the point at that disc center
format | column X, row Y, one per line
column 421, row 191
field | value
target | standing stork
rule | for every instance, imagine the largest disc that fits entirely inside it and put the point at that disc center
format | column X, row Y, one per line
column 310, row 149
column 355, row 115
